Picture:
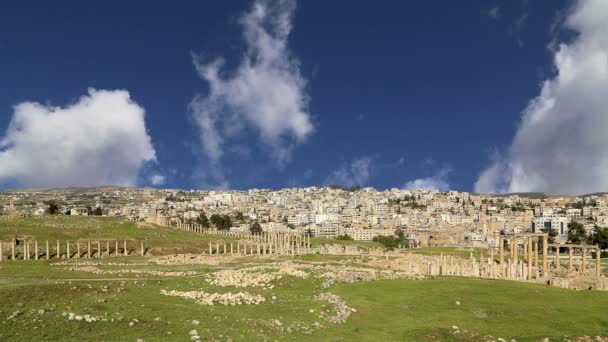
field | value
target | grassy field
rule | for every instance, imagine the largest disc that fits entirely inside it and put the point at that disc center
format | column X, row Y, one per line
column 72, row 228
column 389, row 310
column 34, row 295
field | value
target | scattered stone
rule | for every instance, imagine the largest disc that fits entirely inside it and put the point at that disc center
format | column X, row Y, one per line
column 229, row 298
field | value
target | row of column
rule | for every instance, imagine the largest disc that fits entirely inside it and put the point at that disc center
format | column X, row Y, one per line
column 583, row 269
column 264, row 244
column 44, row 252
column 530, row 255
column 264, row 236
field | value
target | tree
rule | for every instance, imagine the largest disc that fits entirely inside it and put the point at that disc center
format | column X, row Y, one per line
column 291, row 226
column 576, row 233
column 53, row 208
column 255, row 228
column 403, row 242
column 600, row 237
column 97, row 212
column 203, row 220
column 387, row 241
column 552, row 234
column 344, row 237
column 221, row 222
column 238, row 216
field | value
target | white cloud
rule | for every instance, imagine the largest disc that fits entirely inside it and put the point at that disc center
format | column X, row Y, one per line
column 494, row 12
column 354, row 173
column 266, row 92
column 157, row 179
column 560, row 144
column 99, row 140
column 438, row 181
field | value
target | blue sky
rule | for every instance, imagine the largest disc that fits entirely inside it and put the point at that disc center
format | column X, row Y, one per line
column 425, row 92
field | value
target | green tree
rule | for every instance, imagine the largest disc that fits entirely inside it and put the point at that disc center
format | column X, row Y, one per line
column 552, row 234
column 387, row 241
column 344, row 237
column 576, row 233
column 600, row 237
column 203, row 220
column 238, row 216
column 255, row 228
column 403, row 242
column 221, row 222
column 53, row 208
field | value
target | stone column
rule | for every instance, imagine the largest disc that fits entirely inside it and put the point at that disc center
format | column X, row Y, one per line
column 225, row 250
column 238, row 247
column 515, row 257
column 48, row 251
column 67, row 249
column 257, row 248
column 210, row 250
column 598, row 266
column 98, row 249
column 501, row 251
column 270, row 247
column 557, row 260
column 116, row 248
column 530, row 256
column 217, row 248
column 78, row 249
column 141, row 244
column 545, row 251
column 88, row 249
column 584, row 259
column 569, row 259
column 525, row 251
column 535, row 248
column 231, row 249
column 1, row 251
column 58, row 250
column 108, row 248
column 124, row 245
column 26, row 252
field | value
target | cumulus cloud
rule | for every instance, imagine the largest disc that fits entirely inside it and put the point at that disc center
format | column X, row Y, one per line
column 438, row 181
column 355, row 172
column 266, row 93
column 99, row 140
column 157, row 179
column 560, row 144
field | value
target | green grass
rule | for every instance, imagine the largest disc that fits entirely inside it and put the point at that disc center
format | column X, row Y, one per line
column 72, row 228
column 413, row 310
column 395, row 310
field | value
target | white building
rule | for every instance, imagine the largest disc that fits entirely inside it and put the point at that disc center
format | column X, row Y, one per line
column 559, row 223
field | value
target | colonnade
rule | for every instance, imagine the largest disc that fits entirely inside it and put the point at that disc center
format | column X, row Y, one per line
column 586, row 249
column 264, row 244
column 33, row 250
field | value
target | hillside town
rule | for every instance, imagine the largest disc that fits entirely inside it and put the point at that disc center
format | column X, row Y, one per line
column 425, row 217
